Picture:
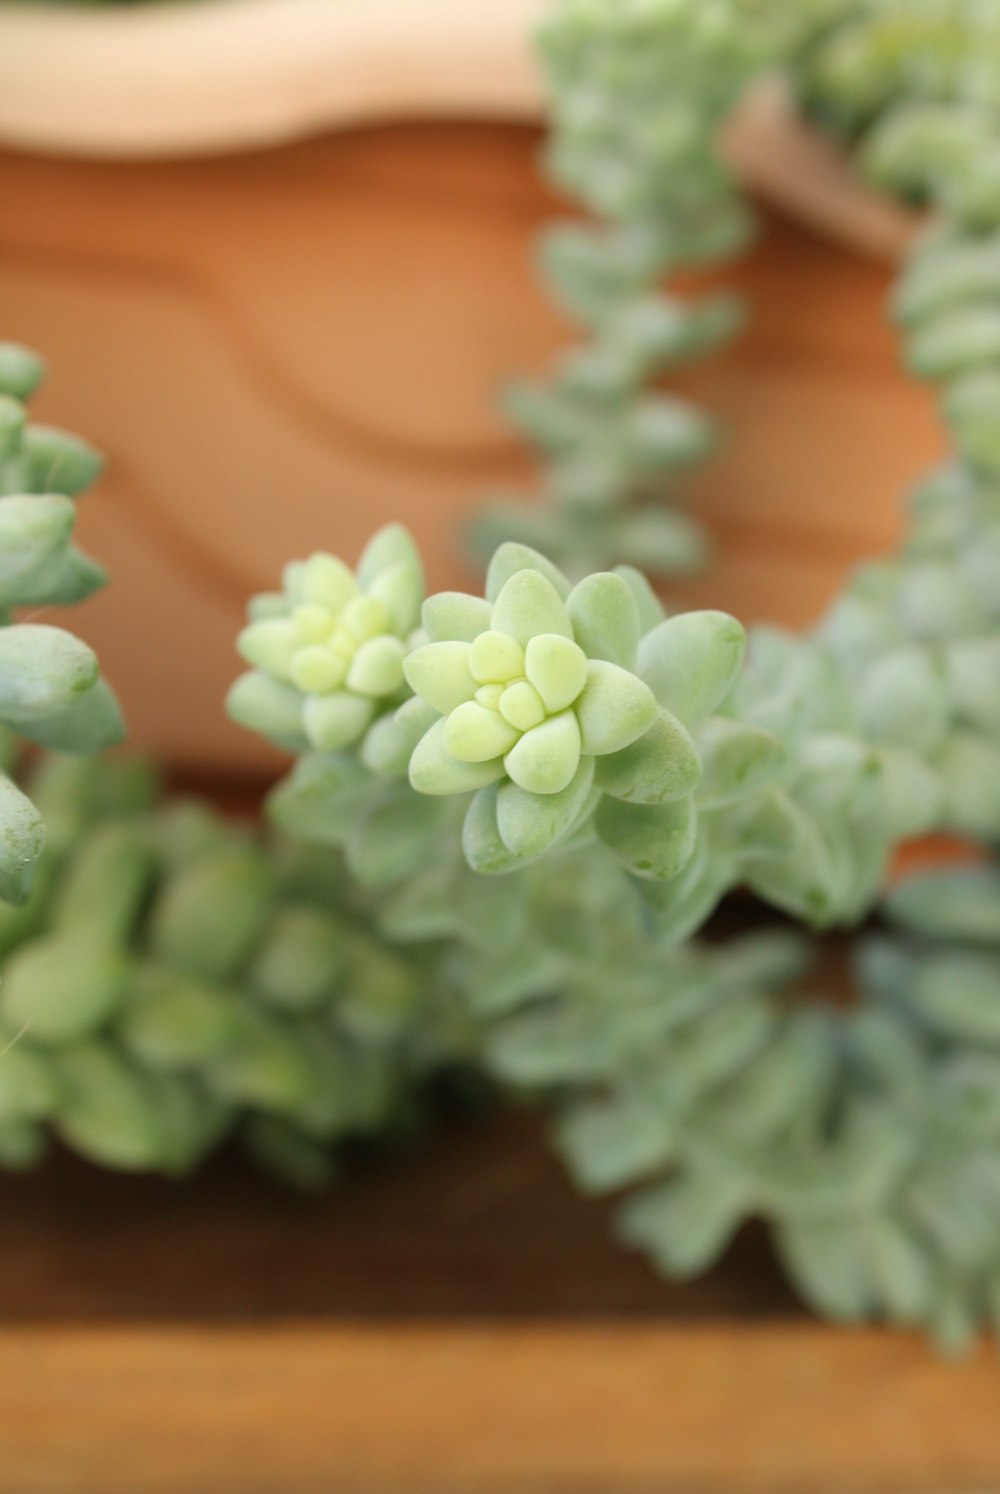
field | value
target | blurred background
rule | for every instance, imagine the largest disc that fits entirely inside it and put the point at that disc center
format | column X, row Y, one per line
column 278, row 254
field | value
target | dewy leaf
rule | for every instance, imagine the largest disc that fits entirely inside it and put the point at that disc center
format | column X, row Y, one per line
column 529, row 824
column 529, row 604
column 433, row 770
column 614, row 709
column 439, row 673
column 605, row 618
column 651, row 840
column 512, row 558
column 661, row 765
column 691, row 662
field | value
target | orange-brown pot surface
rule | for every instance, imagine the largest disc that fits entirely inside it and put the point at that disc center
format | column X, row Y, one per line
column 280, row 351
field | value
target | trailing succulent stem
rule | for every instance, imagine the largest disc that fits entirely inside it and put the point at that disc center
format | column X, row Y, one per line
column 51, row 691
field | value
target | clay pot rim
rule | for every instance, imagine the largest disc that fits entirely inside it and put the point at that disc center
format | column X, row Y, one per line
column 200, row 77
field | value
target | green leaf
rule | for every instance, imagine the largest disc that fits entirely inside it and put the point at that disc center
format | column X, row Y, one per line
column 829, row 1264
column 321, row 797
column 650, row 840
column 686, row 1224
column 961, row 902
column 529, row 604
column 32, row 530
column 175, row 1021
column 389, row 743
column 903, row 699
column 63, row 987
column 64, row 579
column 22, row 839
column 738, row 759
column 614, row 709
column 648, row 604
column 455, row 615
column 391, row 546
column 546, row 758
column 21, row 370
column 270, row 707
column 474, row 734
column 691, row 662
column 337, row 720
column 92, row 722
column 513, row 558
column 530, row 824
column 209, row 917
column 42, row 671
column 56, row 462
column 440, row 674
column 482, row 843
column 660, row 765
column 433, row 770
column 107, row 1109
column 605, row 618
column 396, row 838
column 557, row 668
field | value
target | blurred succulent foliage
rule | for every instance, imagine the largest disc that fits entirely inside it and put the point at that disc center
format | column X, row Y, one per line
column 173, row 982
column 51, row 691
column 914, row 85
column 726, row 1082
column 634, row 91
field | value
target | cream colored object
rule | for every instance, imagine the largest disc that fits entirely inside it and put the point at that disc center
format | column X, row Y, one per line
column 197, row 76
column 194, row 77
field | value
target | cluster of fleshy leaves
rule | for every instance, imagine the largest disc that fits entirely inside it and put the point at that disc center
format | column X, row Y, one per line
column 555, row 705
column 174, row 982
column 622, row 93
column 51, row 690
column 327, row 650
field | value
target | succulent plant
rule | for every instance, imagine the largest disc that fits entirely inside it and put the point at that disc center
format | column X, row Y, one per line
column 51, row 690
column 174, row 982
column 552, row 704
column 327, row 650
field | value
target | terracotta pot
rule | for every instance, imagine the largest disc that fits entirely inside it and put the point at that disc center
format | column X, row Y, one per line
column 287, row 322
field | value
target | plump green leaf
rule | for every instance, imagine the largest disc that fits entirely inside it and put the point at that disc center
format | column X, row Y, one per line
column 691, row 662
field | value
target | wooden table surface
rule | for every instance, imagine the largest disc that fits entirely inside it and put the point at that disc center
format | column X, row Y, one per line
column 451, row 1321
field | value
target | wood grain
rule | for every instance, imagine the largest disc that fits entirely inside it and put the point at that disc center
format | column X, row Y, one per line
column 454, row 1321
